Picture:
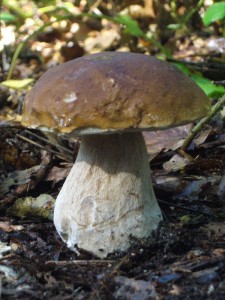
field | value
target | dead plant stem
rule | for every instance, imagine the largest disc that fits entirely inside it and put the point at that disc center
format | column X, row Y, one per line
column 195, row 130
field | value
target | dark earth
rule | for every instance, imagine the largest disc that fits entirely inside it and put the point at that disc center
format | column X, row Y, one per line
column 185, row 258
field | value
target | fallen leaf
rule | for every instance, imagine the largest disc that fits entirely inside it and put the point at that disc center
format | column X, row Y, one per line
column 131, row 289
column 41, row 206
column 17, row 84
column 194, row 187
column 176, row 163
column 102, row 41
column 166, row 139
column 201, row 138
column 17, row 178
column 4, row 248
column 9, row 273
column 26, row 179
column 57, row 174
column 7, row 227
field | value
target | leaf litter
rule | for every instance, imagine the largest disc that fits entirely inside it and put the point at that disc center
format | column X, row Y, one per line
column 185, row 257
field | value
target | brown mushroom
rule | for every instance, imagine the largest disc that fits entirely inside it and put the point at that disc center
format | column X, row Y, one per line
column 108, row 99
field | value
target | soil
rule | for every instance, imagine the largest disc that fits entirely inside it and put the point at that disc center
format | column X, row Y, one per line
column 185, row 258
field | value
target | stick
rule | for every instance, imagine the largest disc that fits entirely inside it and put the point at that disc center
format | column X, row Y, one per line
column 43, row 147
column 92, row 262
column 194, row 131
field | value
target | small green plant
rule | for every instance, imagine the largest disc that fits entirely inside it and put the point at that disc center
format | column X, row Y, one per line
column 215, row 12
column 210, row 89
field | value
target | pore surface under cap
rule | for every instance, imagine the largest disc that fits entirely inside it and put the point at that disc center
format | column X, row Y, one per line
column 114, row 90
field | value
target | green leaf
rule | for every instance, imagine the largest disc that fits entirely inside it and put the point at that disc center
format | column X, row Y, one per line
column 132, row 26
column 46, row 9
column 7, row 17
column 17, row 84
column 208, row 87
column 174, row 26
column 185, row 219
column 183, row 68
column 205, row 84
column 67, row 6
column 214, row 12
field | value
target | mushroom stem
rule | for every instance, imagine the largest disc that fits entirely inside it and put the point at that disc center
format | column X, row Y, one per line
column 108, row 195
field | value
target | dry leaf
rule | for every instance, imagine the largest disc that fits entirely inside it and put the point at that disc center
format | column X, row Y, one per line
column 7, row 227
column 176, row 163
column 165, row 139
column 57, row 174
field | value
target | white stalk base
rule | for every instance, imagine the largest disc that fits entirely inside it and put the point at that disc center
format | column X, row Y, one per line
column 108, row 195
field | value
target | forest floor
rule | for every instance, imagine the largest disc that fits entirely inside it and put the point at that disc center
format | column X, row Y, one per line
column 185, row 257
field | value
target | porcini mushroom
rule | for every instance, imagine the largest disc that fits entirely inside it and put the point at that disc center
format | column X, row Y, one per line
column 108, row 99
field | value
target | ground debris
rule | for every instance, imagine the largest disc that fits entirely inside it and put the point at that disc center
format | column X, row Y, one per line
column 42, row 207
column 185, row 257
column 131, row 289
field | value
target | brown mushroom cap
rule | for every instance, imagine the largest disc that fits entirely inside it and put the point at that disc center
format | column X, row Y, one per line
column 114, row 91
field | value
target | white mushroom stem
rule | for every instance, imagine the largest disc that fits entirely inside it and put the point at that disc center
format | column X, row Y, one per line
column 108, row 195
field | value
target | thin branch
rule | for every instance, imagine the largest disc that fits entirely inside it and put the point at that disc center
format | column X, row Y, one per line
column 192, row 11
column 195, row 130
column 209, row 65
column 184, row 208
column 91, row 262
column 49, row 142
column 43, row 147
column 94, row 6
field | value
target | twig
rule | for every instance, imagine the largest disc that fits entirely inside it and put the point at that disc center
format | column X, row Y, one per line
column 3, row 126
column 184, row 207
column 91, row 262
column 209, row 65
column 192, row 11
column 195, row 130
column 5, row 257
column 43, row 147
column 94, row 6
column 107, row 277
column 49, row 142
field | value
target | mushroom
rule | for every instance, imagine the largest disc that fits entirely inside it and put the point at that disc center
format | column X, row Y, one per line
column 108, row 99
